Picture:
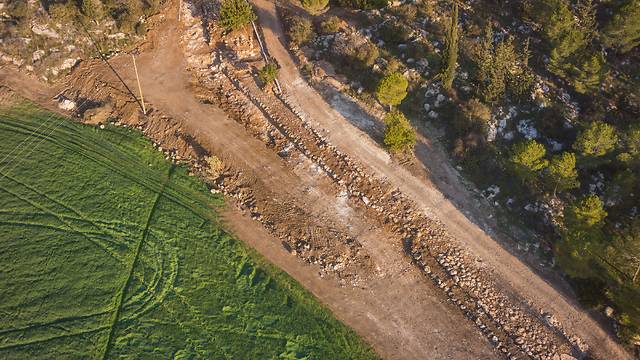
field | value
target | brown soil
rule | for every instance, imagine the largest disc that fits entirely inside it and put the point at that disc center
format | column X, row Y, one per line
column 331, row 218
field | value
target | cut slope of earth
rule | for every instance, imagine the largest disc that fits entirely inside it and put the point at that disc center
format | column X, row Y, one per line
column 110, row 251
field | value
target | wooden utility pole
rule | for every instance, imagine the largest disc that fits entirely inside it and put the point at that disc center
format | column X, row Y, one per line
column 179, row 10
column 144, row 108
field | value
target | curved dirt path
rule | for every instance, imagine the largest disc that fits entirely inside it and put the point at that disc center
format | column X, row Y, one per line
column 510, row 273
column 396, row 310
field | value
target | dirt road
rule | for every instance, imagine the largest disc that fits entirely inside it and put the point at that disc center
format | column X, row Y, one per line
column 397, row 310
column 511, row 273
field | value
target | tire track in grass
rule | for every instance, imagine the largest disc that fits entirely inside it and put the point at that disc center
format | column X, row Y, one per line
column 71, row 228
column 38, row 341
column 145, row 233
column 82, row 147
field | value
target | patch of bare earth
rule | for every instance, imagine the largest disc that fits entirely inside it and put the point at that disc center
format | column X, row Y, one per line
column 351, row 237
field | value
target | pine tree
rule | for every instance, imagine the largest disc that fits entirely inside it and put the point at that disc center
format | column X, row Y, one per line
column 399, row 134
column 581, row 248
column 235, row 14
column 623, row 31
column 521, row 80
column 527, row 159
column 596, row 140
column 451, row 49
column 392, row 89
column 624, row 253
column 562, row 174
column 588, row 76
column 562, row 30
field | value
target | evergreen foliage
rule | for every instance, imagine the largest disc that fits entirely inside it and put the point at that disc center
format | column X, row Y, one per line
column 527, row 159
column 581, row 244
column 596, row 140
column 330, row 25
column 500, row 67
column 623, row 31
column 268, row 73
column 314, row 7
column 562, row 173
column 392, row 89
column 399, row 134
column 300, row 30
column 451, row 49
column 588, row 75
column 235, row 14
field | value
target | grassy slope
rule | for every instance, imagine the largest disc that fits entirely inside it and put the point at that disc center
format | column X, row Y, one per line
column 109, row 251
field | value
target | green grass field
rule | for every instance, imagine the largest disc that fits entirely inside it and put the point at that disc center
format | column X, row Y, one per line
column 109, row 251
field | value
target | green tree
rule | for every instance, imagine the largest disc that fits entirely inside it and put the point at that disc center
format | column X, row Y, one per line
column 580, row 250
column 300, row 30
column 596, row 140
column 500, row 66
column 588, row 213
column 392, row 89
column 624, row 254
column 562, row 173
column 235, row 14
column 451, row 49
column 268, row 74
column 623, row 31
column 527, row 159
column 588, row 76
column 521, row 77
column 399, row 134
column 631, row 154
column 314, row 7
column 632, row 139
column 562, row 29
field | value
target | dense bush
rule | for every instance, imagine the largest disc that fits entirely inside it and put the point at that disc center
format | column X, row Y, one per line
column 314, row 6
column 235, row 14
column 300, row 30
column 331, row 25
column 363, row 4
column 395, row 32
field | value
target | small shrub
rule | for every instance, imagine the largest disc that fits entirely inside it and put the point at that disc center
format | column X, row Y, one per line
column 300, row 31
column 215, row 165
column 268, row 74
column 394, row 32
column 407, row 12
column 63, row 12
column 367, row 54
column 475, row 110
column 330, row 25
